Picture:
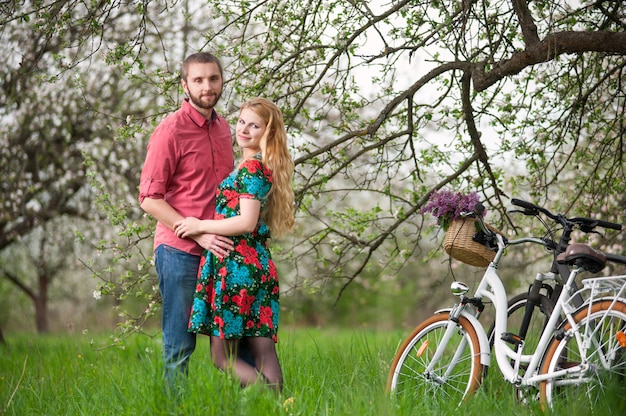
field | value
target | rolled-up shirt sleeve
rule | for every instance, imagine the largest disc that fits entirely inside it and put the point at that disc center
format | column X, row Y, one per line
column 158, row 167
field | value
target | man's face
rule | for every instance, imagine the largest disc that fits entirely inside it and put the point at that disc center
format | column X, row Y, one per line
column 203, row 86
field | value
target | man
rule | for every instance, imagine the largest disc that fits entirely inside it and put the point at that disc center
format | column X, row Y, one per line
column 189, row 154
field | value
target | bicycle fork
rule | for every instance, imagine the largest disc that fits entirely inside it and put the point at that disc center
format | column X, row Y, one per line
column 453, row 326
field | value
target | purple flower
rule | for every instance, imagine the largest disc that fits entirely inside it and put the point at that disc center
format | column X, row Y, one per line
column 447, row 205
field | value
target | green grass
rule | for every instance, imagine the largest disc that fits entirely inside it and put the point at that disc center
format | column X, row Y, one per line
column 327, row 372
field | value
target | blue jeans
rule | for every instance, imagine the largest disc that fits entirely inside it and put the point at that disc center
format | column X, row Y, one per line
column 177, row 272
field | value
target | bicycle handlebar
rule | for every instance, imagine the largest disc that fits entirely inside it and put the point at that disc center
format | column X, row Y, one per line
column 479, row 209
column 597, row 223
column 586, row 224
column 523, row 240
column 530, row 207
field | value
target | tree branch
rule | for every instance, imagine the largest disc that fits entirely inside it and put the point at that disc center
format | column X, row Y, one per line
column 479, row 148
column 17, row 282
column 526, row 22
column 552, row 46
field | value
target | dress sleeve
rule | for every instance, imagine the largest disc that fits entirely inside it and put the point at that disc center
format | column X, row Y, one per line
column 254, row 180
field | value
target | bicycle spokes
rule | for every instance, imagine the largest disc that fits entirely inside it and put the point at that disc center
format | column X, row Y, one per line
column 437, row 360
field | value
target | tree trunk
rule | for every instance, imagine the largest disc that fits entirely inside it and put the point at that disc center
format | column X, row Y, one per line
column 41, row 306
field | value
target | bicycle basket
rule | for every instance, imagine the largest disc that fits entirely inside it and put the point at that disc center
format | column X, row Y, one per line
column 460, row 245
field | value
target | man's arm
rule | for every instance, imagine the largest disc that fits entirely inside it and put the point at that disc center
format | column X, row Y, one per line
column 161, row 211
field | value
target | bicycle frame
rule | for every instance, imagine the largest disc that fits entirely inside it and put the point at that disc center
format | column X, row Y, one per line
column 508, row 359
column 492, row 288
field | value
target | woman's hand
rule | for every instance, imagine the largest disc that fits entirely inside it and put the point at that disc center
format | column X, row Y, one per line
column 188, row 227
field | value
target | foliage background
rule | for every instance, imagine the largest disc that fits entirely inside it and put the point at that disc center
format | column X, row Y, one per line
column 385, row 102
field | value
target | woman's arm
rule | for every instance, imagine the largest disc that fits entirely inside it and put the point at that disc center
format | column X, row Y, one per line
column 244, row 223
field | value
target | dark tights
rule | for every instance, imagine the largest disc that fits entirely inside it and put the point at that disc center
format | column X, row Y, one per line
column 263, row 351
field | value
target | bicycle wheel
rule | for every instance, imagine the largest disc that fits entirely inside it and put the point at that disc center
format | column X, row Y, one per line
column 515, row 311
column 455, row 376
column 600, row 349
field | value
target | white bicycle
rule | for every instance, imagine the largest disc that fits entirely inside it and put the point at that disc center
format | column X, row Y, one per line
column 584, row 353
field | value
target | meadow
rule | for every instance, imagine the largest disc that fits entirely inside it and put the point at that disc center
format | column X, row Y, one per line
column 327, row 372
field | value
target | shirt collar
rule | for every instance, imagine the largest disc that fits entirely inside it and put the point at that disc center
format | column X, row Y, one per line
column 195, row 115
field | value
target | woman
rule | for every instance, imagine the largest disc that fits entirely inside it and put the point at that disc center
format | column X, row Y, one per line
column 237, row 292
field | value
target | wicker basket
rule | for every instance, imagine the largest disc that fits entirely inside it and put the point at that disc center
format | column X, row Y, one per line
column 459, row 244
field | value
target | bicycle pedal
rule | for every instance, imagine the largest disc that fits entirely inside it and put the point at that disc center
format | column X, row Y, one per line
column 511, row 338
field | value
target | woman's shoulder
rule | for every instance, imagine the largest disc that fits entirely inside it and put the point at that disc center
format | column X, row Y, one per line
column 253, row 164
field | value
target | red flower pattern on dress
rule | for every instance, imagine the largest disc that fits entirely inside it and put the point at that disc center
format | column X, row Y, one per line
column 211, row 296
column 252, row 168
column 223, row 272
column 244, row 301
column 250, row 255
column 219, row 321
column 273, row 272
column 232, row 199
column 266, row 316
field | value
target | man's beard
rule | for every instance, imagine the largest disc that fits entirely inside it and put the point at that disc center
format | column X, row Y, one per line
column 207, row 103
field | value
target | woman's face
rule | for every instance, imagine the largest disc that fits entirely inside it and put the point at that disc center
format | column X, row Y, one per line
column 250, row 128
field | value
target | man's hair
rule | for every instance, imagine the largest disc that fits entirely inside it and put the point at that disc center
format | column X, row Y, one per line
column 200, row 58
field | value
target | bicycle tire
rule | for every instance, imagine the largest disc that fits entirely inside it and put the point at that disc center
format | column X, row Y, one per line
column 516, row 308
column 407, row 377
column 607, row 369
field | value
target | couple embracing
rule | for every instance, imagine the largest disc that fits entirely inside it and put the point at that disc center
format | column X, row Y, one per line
column 214, row 219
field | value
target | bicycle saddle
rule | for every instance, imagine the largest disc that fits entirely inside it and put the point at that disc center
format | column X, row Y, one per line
column 584, row 256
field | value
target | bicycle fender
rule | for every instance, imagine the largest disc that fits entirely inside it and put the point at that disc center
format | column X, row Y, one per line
column 485, row 349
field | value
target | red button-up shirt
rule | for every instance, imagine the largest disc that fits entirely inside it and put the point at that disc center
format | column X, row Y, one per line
column 187, row 157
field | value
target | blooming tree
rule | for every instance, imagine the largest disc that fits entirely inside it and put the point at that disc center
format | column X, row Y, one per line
column 385, row 102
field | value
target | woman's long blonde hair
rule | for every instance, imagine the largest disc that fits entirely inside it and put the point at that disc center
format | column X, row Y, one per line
column 278, row 213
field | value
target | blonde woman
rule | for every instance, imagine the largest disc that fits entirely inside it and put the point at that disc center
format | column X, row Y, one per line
column 237, row 296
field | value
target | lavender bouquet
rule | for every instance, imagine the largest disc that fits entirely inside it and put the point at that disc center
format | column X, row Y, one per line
column 447, row 205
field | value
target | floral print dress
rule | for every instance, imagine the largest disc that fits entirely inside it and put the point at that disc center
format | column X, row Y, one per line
column 237, row 296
